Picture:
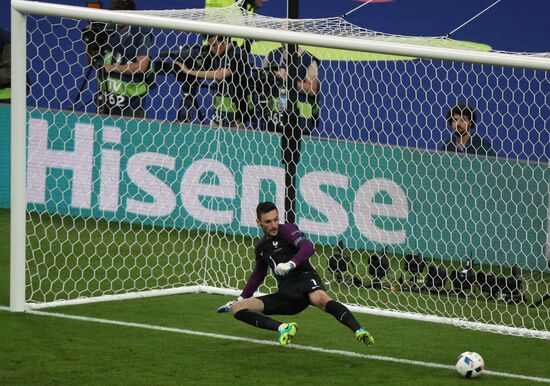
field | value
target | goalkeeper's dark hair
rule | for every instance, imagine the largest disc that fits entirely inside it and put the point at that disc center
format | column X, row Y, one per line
column 265, row 207
column 122, row 5
column 464, row 111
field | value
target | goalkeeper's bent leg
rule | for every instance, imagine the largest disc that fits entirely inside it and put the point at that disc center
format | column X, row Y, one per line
column 342, row 314
column 257, row 319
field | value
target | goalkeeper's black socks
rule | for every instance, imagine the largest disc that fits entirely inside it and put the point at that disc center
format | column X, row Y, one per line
column 257, row 319
column 342, row 314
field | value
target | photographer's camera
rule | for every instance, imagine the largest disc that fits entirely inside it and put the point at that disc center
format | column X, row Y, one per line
column 96, row 38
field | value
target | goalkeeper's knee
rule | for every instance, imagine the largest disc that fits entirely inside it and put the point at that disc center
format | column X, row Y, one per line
column 236, row 307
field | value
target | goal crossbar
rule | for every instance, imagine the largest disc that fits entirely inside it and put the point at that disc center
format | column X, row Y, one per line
column 337, row 42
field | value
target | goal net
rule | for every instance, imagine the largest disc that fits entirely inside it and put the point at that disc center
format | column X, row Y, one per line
column 419, row 167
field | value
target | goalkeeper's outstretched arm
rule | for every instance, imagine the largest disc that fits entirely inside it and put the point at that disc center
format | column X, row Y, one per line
column 254, row 281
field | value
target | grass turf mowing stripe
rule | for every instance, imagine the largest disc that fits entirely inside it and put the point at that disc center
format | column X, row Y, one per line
column 273, row 343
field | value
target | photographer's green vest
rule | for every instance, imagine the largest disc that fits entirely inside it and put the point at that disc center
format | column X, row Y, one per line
column 121, row 91
column 248, row 4
column 307, row 105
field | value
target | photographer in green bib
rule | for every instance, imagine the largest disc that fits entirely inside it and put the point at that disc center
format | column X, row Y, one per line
column 122, row 78
column 226, row 65
column 307, row 85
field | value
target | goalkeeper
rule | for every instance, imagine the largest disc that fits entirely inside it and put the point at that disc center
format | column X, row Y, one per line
column 286, row 250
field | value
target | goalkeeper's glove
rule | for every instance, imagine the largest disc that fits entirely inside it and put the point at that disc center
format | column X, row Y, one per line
column 227, row 306
column 284, row 268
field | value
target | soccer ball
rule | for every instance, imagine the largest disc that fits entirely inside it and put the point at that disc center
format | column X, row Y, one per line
column 469, row 364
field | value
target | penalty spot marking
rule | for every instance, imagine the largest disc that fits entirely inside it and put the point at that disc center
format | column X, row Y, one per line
column 350, row 354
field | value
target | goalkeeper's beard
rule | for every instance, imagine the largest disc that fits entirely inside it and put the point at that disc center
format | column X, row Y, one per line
column 272, row 231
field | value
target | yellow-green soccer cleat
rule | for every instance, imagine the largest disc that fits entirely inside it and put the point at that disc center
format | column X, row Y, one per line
column 287, row 332
column 364, row 336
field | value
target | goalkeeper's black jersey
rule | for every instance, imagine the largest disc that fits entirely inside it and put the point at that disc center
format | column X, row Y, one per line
column 282, row 248
column 289, row 244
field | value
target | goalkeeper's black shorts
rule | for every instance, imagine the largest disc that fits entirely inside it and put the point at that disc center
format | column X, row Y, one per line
column 292, row 295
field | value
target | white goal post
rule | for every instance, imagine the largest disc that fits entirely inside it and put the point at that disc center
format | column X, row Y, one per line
column 167, row 203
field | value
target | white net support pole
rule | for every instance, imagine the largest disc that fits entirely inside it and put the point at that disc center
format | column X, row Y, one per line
column 18, row 161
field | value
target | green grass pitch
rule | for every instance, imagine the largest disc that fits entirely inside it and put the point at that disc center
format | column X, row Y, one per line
column 162, row 341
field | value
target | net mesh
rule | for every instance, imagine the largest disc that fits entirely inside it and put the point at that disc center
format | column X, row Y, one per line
column 331, row 26
column 149, row 149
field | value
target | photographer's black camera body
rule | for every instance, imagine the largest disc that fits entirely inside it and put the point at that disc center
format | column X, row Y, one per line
column 501, row 287
column 338, row 264
column 196, row 57
column 342, row 268
column 266, row 88
column 96, row 38
column 264, row 82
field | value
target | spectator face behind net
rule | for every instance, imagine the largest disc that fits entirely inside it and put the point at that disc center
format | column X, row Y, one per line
column 218, row 44
column 461, row 124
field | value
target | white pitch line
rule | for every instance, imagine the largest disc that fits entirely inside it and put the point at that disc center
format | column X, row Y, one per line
column 272, row 343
